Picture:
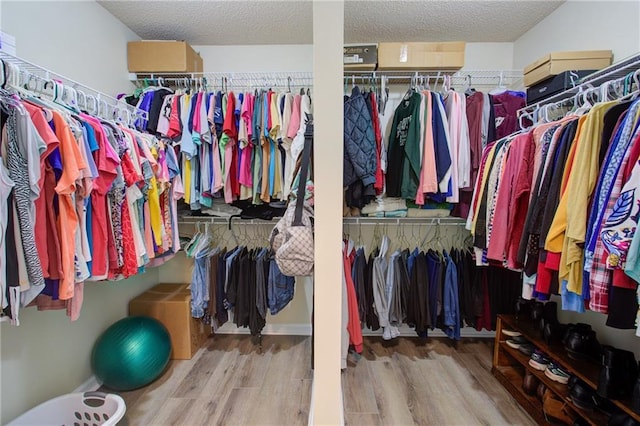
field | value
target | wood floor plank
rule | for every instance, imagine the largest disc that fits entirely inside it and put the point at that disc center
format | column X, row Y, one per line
column 237, row 408
column 193, row 383
column 423, row 395
column 357, row 390
column 268, row 408
column 254, row 369
column 474, row 395
column 305, row 401
column 500, row 397
column 390, row 394
column 173, row 411
column 362, row 419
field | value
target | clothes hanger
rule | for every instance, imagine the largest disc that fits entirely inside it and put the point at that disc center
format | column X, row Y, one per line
column 501, row 87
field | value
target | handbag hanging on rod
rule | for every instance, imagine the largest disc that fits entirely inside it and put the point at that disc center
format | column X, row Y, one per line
column 292, row 237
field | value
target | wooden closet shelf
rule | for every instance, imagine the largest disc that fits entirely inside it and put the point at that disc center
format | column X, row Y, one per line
column 586, row 370
column 594, row 418
column 511, row 378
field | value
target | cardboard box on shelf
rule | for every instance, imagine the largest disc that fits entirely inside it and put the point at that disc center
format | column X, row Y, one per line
column 421, row 56
column 171, row 305
column 158, row 56
column 558, row 62
column 360, row 57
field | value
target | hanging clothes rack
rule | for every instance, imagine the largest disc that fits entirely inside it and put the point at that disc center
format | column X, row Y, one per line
column 617, row 71
column 233, row 80
column 36, row 78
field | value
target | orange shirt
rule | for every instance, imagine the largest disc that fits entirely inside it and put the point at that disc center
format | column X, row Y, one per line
column 72, row 163
column 45, row 227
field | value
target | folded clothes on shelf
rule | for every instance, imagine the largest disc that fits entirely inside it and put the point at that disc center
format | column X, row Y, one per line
column 386, row 204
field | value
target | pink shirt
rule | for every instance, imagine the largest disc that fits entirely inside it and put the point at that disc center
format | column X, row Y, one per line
column 294, row 124
column 428, row 177
column 512, row 201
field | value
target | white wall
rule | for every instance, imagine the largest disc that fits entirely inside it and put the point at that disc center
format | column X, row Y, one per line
column 47, row 355
column 257, row 58
column 77, row 39
column 299, row 57
column 583, row 25
column 488, row 56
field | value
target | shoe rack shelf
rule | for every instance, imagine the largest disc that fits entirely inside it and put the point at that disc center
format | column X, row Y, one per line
column 509, row 363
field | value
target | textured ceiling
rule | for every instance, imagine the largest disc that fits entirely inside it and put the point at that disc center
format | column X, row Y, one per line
column 216, row 22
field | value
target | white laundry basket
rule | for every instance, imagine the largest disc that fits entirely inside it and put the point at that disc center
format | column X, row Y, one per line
column 76, row 409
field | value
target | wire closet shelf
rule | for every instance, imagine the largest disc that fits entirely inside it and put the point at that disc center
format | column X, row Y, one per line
column 391, row 221
column 617, row 71
column 232, row 80
column 86, row 98
column 457, row 78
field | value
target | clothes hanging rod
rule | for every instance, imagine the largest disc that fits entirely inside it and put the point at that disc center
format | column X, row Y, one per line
column 30, row 70
column 403, row 221
column 216, row 220
column 616, row 71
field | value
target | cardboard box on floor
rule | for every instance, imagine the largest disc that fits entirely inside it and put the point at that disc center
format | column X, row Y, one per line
column 158, row 56
column 421, row 56
column 171, row 305
column 558, row 62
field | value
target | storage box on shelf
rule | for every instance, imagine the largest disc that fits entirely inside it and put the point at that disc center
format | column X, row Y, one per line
column 555, row 84
column 171, row 305
column 557, row 62
column 421, row 56
column 510, row 364
column 158, row 56
column 360, row 57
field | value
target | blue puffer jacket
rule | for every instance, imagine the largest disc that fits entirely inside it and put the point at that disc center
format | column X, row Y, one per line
column 359, row 141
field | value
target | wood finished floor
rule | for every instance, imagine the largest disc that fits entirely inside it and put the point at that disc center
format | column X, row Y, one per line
column 404, row 382
column 410, row 381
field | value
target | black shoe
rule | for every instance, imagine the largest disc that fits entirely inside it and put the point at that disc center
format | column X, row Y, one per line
column 581, row 344
column 583, row 396
column 620, row 418
column 618, row 373
column 553, row 333
column 607, row 383
column 523, row 308
column 527, row 348
column 549, row 314
column 635, row 398
column 536, row 312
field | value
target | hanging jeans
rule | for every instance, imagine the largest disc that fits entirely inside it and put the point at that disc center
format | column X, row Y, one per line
column 280, row 288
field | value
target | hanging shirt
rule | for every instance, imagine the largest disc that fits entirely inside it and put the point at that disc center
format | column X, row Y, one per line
column 404, row 147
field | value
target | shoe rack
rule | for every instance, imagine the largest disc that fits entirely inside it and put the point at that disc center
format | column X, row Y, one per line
column 510, row 366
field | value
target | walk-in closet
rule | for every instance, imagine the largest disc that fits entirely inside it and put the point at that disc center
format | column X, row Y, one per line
column 319, row 212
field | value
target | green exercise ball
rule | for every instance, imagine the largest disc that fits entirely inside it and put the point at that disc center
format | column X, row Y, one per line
column 131, row 353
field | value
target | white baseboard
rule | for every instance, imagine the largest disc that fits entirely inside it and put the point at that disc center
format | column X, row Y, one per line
column 90, row 385
column 305, row 330
column 270, row 329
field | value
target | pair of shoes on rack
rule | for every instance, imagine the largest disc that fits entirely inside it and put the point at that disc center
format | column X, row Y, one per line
column 618, row 373
column 580, row 342
column 556, row 409
column 520, row 343
column 541, row 362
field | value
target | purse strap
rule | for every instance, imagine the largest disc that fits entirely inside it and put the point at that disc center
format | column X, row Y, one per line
column 304, row 170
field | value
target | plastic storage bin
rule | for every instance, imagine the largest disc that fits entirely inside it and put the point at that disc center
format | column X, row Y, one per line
column 76, row 409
